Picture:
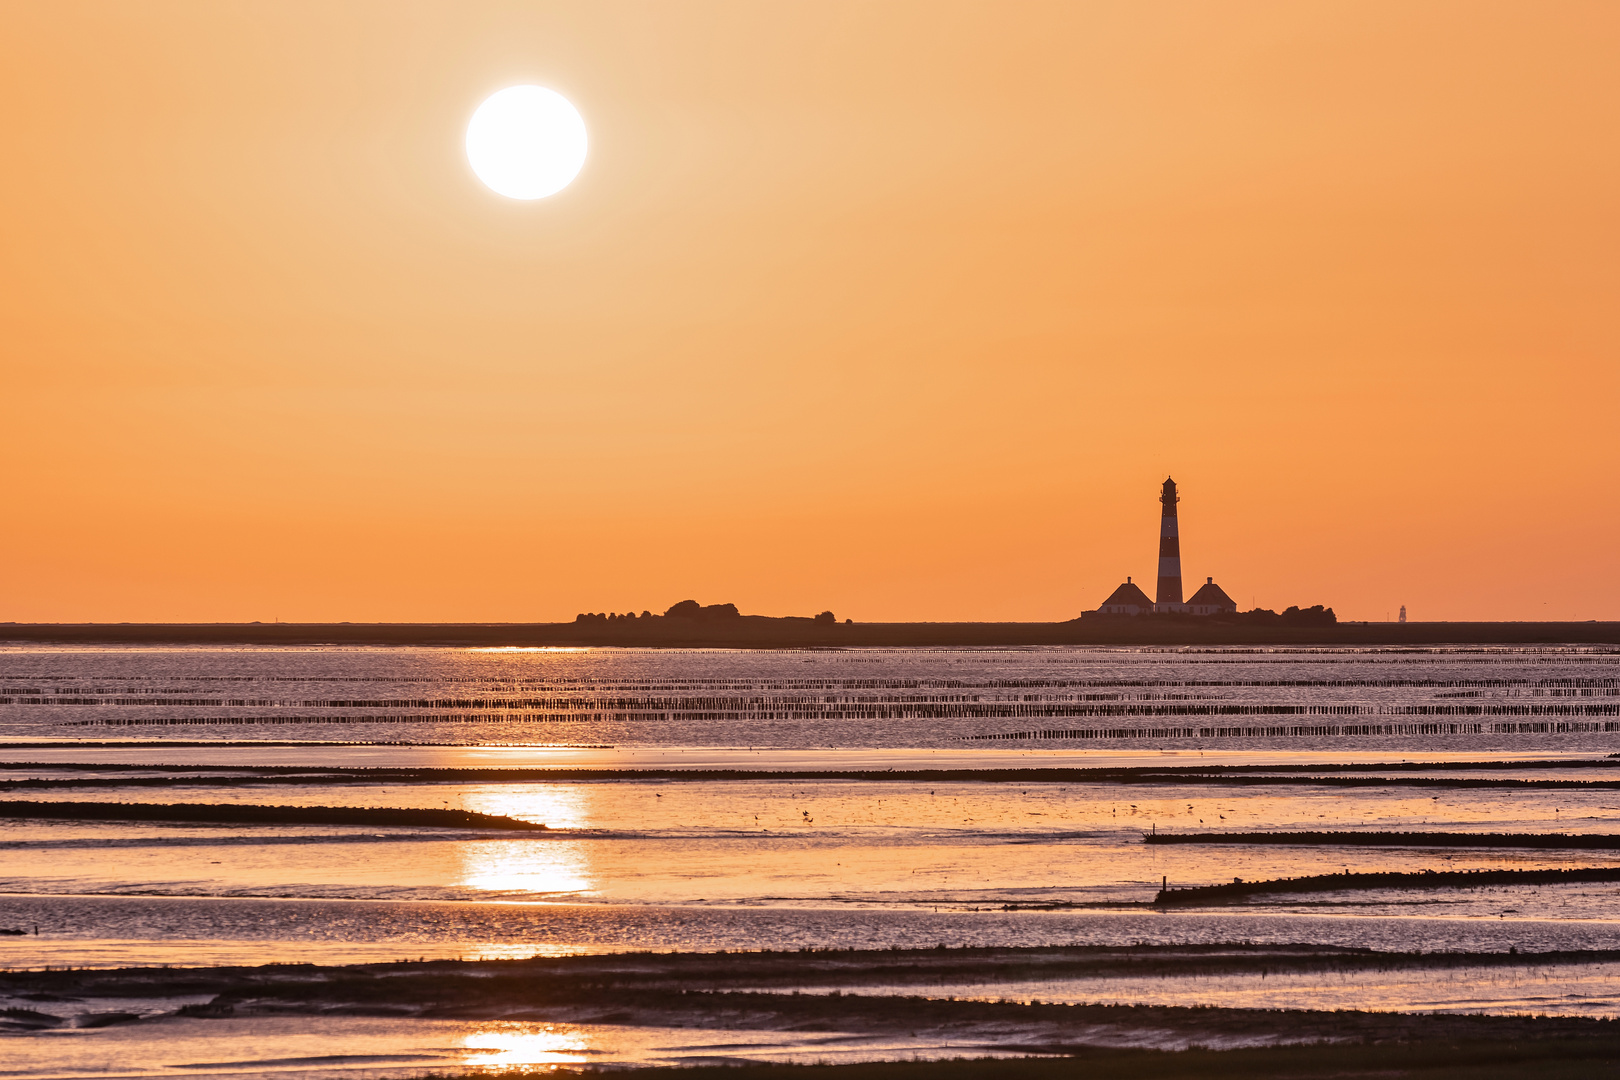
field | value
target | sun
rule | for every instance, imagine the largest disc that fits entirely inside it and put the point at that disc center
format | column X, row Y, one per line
column 526, row 142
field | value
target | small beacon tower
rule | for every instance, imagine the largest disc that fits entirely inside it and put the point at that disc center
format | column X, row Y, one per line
column 1169, row 595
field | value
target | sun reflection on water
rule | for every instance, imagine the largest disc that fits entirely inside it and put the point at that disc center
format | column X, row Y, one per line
column 507, row 1045
column 561, row 806
column 542, row 867
column 524, row 950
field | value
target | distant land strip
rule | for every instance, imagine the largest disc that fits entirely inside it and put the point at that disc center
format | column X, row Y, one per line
column 482, row 772
column 224, row 776
column 1590, row 841
column 1239, row 889
column 232, row 813
column 762, row 632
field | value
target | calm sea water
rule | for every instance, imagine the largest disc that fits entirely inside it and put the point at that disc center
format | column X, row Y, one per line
column 636, row 862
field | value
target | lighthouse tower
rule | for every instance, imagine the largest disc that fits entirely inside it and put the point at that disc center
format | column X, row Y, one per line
column 1169, row 596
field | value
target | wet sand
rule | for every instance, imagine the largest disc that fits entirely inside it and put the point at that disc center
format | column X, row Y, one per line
column 763, row 988
column 1443, row 1059
column 748, row 993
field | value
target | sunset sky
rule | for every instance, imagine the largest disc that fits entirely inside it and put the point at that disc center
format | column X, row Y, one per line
column 903, row 310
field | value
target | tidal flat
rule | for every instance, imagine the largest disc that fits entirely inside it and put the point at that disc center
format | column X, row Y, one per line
column 1482, row 1059
column 451, row 860
column 727, row 1008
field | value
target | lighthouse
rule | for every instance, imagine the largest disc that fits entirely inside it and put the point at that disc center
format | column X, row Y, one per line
column 1169, row 596
column 1130, row 600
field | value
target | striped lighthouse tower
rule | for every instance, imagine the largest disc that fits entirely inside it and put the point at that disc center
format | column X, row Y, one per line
column 1169, row 597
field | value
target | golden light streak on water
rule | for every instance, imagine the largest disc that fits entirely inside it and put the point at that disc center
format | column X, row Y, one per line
column 561, row 806
column 503, row 1045
column 531, row 867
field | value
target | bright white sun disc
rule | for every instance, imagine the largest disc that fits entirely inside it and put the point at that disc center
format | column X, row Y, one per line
column 526, row 142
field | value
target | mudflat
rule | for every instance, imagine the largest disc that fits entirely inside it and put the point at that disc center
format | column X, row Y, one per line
column 1484, row 1059
column 885, row 992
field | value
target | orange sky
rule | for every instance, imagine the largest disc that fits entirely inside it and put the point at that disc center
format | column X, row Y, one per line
column 903, row 310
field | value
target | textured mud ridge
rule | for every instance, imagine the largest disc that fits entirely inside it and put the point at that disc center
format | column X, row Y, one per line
column 1533, row 1058
column 1238, row 890
column 703, row 990
column 1589, row 842
column 432, row 986
column 707, row 991
column 228, row 813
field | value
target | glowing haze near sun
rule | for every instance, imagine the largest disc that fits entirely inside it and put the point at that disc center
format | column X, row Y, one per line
column 526, row 142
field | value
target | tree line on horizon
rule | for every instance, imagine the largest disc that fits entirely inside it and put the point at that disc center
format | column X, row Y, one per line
column 1315, row 615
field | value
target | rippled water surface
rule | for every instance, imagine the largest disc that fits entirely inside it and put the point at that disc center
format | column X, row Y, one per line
column 1474, row 699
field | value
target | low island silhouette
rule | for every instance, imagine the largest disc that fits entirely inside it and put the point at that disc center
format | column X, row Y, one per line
column 689, row 624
